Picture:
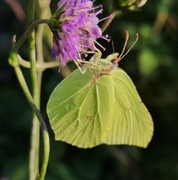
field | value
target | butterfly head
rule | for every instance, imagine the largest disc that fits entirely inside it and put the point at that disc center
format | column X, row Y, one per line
column 98, row 65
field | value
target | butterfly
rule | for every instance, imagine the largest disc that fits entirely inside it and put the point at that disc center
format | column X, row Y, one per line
column 99, row 104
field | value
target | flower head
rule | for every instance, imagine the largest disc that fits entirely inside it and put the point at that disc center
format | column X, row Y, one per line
column 75, row 28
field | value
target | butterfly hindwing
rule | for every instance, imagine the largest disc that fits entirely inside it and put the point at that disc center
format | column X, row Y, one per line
column 82, row 118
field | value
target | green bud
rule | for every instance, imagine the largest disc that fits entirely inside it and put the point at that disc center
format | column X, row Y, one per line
column 13, row 61
column 127, row 5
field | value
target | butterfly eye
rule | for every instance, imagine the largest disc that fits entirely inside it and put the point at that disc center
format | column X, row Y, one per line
column 113, row 61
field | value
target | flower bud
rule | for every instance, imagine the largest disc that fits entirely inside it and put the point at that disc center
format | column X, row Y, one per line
column 127, row 5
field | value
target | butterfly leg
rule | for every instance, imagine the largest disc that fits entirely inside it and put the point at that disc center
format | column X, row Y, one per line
column 79, row 66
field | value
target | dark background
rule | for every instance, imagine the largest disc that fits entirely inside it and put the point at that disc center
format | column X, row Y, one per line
column 153, row 66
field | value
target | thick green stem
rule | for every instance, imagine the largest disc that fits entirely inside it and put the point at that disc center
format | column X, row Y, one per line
column 40, row 59
column 37, row 76
column 35, row 131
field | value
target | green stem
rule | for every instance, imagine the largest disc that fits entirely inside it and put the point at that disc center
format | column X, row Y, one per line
column 36, row 90
column 31, row 11
column 40, row 118
column 39, row 65
column 14, row 62
column 35, row 131
column 35, row 134
column 30, row 99
column 40, row 59
column 28, row 32
column 34, row 100
column 46, row 153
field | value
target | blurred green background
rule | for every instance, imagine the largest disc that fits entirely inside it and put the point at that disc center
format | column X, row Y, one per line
column 153, row 66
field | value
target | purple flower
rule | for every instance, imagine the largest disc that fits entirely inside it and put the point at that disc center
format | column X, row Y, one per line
column 77, row 29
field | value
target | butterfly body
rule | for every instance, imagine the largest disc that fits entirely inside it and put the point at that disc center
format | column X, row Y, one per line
column 97, row 65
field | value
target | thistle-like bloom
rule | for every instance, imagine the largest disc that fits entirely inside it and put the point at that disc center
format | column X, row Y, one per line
column 77, row 29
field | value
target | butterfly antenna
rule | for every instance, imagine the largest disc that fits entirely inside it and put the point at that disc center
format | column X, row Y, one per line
column 125, row 44
column 122, row 55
